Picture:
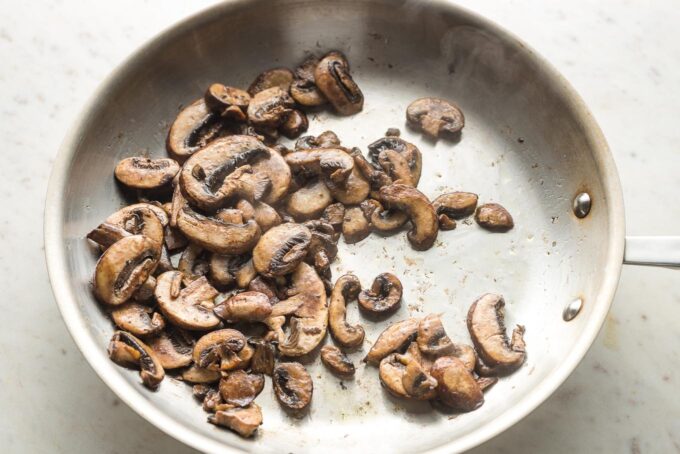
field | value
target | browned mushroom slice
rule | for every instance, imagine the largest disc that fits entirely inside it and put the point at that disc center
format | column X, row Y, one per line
column 241, row 388
column 281, row 248
column 353, row 191
column 225, row 270
column 334, row 214
column 386, row 221
column 454, row 205
column 128, row 351
column 327, row 139
column 309, row 201
column 396, row 166
column 265, row 216
column 333, row 163
column 391, row 375
column 229, row 102
column 173, row 347
column 295, row 124
column 189, row 307
column 140, row 219
column 393, row 339
column 200, row 391
column 218, row 236
column 145, row 173
column 417, row 382
column 218, row 350
column 275, row 170
column 323, row 247
column 263, row 358
column 145, row 292
column 245, row 306
column 419, row 209
column 333, row 78
column 355, row 226
column 432, row 338
column 485, row 322
column 194, row 262
column 435, row 117
column 384, row 296
column 400, row 159
column 392, row 132
column 137, row 319
column 106, row 234
column 494, row 217
column 336, row 361
column 195, row 374
column 174, row 239
column 346, row 288
column 211, row 400
column 124, row 267
column 376, row 177
column 276, row 77
column 303, row 89
column 270, row 108
column 467, row 354
column 456, row 387
column 293, row 386
column 193, row 129
column 244, row 421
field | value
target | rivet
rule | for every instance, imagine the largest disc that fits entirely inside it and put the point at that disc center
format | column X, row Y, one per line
column 582, row 204
column 572, row 309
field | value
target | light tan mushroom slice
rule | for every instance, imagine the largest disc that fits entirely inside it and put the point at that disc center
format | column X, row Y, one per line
column 336, row 361
column 218, row 236
column 275, row 77
column 494, row 217
column 384, row 296
column 454, row 205
column 332, row 77
column 173, row 348
column 393, row 339
column 485, row 322
column 436, row 117
column 245, row 306
column 386, row 221
column 144, row 294
column 333, row 163
column 293, row 386
column 263, row 358
column 128, row 351
column 432, row 338
column 226, row 270
column 145, row 173
column 137, row 319
column 420, row 211
column 456, row 387
column 309, row 201
column 241, row 388
column 396, row 166
column 355, row 226
column 193, row 129
column 124, row 267
column 244, row 421
column 189, row 307
column 391, row 374
column 346, row 289
column 410, row 158
column 265, row 215
column 218, row 350
column 281, row 249
column 195, row 374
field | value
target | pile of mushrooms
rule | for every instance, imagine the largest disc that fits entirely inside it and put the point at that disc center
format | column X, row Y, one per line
column 219, row 274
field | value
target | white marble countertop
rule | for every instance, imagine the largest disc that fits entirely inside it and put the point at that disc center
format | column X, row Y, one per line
column 623, row 57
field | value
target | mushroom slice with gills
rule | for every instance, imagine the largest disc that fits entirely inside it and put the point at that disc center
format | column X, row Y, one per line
column 332, row 163
column 454, row 205
column 417, row 382
column 146, row 173
column 275, row 77
column 189, row 307
column 332, row 77
column 327, row 139
column 419, row 210
column 336, row 361
column 485, row 321
column 141, row 219
column 303, row 89
column 355, row 226
column 435, row 117
column 386, row 221
column 263, row 358
column 324, row 237
column 270, row 108
column 128, row 351
column 384, row 296
column 346, row 289
column 309, row 201
column 245, row 306
column 412, row 158
column 218, row 236
column 432, row 338
column 494, row 217
column 295, row 124
column 242, row 420
column 393, row 339
column 334, row 214
column 173, row 347
column 194, row 262
column 265, row 216
column 124, row 267
column 218, row 350
column 193, row 129
column 466, row 353
column 293, row 386
column 376, row 177
column 353, row 191
column 275, row 170
column 219, row 172
column 456, row 386
column 145, row 292
column 228, row 102
column 226, row 270
column 195, row 374
column 137, row 319
column 391, row 374
column 281, row 249
column 241, row 388
column 200, row 391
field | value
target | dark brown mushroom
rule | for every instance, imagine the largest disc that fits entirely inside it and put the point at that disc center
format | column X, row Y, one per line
column 281, row 248
column 106, row 234
column 200, row 391
column 456, row 386
column 303, row 89
column 309, row 201
column 270, row 108
column 494, row 217
column 173, row 347
column 189, row 307
column 336, row 361
column 295, row 124
column 218, row 236
column 276, row 77
column 401, row 160
column 228, row 102
column 393, row 339
column 193, row 129
column 128, row 351
column 353, row 191
column 195, row 374
column 211, row 400
column 241, row 388
column 263, row 358
column 386, row 221
column 332, row 163
column 346, row 289
column 145, row 173
column 245, row 306
column 376, row 177
column 452, row 206
column 355, row 226
column 137, row 319
column 332, row 77
column 432, row 338
column 384, row 296
column 244, row 421
column 419, row 209
column 334, row 214
column 293, row 386
column 194, row 262
column 219, row 350
column 227, row 270
column 435, row 117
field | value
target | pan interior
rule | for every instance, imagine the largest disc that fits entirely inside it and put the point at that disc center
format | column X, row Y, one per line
column 526, row 145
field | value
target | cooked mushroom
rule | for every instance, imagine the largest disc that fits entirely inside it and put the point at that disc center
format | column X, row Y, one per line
column 243, row 421
column 494, row 217
column 145, row 292
column 333, row 79
column 435, row 117
column 281, row 248
column 194, row 262
column 265, row 216
column 456, row 387
column 376, row 177
column 336, row 361
column 128, row 351
column 241, row 388
column 270, row 108
column 137, row 319
column 386, row 221
column 263, row 358
column 334, row 214
column 229, row 102
column 355, row 226
column 266, row 286
column 418, row 208
column 353, row 191
column 391, row 375
column 398, row 158
column 195, row 374
column 333, row 163
column 485, row 322
column 173, row 347
column 309, row 201
column 106, row 234
column 145, row 173
column 276, row 77
column 466, row 353
column 218, row 350
column 393, row 339
column 303, row 89
column 218, row 236
column 295, row 124
column 452, row 206
column 245, row 306
column 200, row 391
column 212, row 399
column 293, row 386
column 392, row 132
column 417, row 382
column 396, row 166
column 189, row 307
column 327, row 139
column 275, row 170
column 384, row 296
column 226, row 270
column 432, row 338
column 346, row 289
column 193, row 129
column 124, row 267
column 174, row 239
column 138, row 219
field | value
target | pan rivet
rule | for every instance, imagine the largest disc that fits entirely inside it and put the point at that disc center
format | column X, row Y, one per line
column 582, row 204
column 572, row 309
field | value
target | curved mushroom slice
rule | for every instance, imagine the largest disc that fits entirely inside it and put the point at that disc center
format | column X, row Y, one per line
column 240, row 388
column 145, row 292
column 417, row 382
column 336, row 361
column 334, row 214
column 265, row 216
column 386, row 221
column 395, row 156
column 293, row 386
column 391, row 375
column 327, row 139
column 376, row 177
column 303, row 89
column 194, row 262
column 456, row 387
column 309, row 201
column 346, row 288
column 145, row 173
column 218, row 236
column 353, row 191
column 228, row 102
column 195, row 374
column 270, row 107
column 193, row 129
column 435, row 117
column 226, row 270
column 140, row 219
column 384, row 296
column 275, row 170
column 355, row 226
column 137, row 319
column 218, row 350
column 173, row 348
column 295, row 124
column 245, row 306
column 468, row 356
column 281, row 248
column 275, row 77
column 485, row 322
column 323, row 247
column 189, row 307
column 393, row 339
column 333, row 79
column 432, row 338
column 106, row 234
column 263, row 358
column 128, row 351
column 396, row 166
column 124, row 267
column 420, row 211
column 333, row 163
column 452, row 206
column 492, row 216
column 243, row 421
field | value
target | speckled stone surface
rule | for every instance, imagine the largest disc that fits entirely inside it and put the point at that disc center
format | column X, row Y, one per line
column 622, row 56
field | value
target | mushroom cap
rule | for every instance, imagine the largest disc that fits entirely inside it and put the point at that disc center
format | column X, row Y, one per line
column 391, row 373
column 293, row 386
column 418, row 208
column 145, row 173
column 309, row 201
column 275, row 77
column 333, row 79
column 270, row 107
column 274, row 169
column 220, row 97
column 393, row 339
column 242, row 420
column 190, row 307
column 194, row 127
column 141, row 219
column 384, row 296
column 355, row 226
column 336, row 361
column 456, row 387
column 346, row 288
column 401, row 160
column 281, row 248
column 435, row 117
column 456, row 205
column 137, row 319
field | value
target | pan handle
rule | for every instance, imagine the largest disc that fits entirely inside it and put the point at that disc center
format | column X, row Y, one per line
column 653, row 251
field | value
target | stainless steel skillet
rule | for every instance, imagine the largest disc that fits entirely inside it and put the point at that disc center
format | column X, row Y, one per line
column 529, row 143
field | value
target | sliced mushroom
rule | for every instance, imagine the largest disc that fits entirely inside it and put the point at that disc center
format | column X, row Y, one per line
column 128, row 351
column 193, row 129
column 435, row 117
column 270, row 108
column 173, row 348
column 212, row 400
column 174, row 239
column 432, row 338
column 336, row 361
column 265, row 216
column 486, row 382
column 195, row 374
column 281, row 248
column 243, row 421
column 106, row 234
column 218, row 236
column 334, row 214
column 276, row 77
column 226, row 270
column 456, row 387
column 355, row 226
column 227, row 101
column 218, row 350
column 353, row 191
column 333, row 79
column 346, row 289
column 419, row 209
column 124, row 267
column 332, row 163
column 391, row 375
column 140, row 219
column 303, row 89
column 295, row 124
column 396, row 166
column 309, row 201
column 466, row 353
column 145, row 293
column 145, row 173
column 245, row 306
column 485, row 322
column 194, row 262
column 189, row 307
column 401, row 160
column 392, row 132
column 137, row 319
column 263, row 358
column 384, row 296
column 417, row 382
column 393, row 339
column 275, row 170
column 452, row 206
column 241, row 388
column 293, row 386
column 386, row 221
column 376, row 177
column 494, row 217
column 200, row 391
column 229, row 215
column 266, row 286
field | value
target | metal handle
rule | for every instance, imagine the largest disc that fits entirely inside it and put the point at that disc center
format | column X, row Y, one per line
column 653, row 251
